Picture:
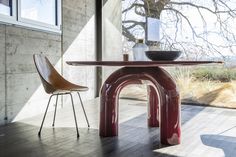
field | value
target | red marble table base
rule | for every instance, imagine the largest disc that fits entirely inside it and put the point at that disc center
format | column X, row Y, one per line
column 163, row 95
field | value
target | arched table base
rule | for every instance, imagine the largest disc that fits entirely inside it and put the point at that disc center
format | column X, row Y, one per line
column 153, row 107
column 163, row 96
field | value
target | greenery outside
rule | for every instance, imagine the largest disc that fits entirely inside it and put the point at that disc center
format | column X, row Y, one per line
column 201, row 30
column 209, row 85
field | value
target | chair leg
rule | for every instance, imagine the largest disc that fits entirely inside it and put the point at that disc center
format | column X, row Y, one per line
column 74, row 115
column 39, row 133
column 55, row 112
column 81, row 102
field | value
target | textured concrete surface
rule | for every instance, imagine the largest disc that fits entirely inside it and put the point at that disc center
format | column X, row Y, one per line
column 2, row 99
column 25, row 97
column 78, row 42
column 2, row 49
column 22, row 78
column 112, row 34
column 2, row 74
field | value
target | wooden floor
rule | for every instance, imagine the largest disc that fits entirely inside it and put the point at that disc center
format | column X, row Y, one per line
column 206, row 132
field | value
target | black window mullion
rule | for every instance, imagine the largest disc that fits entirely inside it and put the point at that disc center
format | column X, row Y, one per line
column 11, row 9
column 56, row 14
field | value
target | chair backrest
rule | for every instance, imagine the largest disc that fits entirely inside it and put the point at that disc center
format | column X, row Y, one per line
column 48, row 74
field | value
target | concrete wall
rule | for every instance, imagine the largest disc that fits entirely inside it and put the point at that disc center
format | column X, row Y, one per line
column 79, row 42
column 2, row 74
column 24, row 95
column 22, row 80
column 112, row 33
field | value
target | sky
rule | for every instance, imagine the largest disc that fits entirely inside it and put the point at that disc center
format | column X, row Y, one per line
column 42, row 10
column 185, row 33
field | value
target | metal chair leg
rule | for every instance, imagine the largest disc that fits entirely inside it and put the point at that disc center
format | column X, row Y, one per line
column 55, row 112
column 83, row 110
column 39, row 133
column 74, row 114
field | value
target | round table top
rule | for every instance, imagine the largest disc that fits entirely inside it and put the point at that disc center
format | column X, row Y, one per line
column 139, row 63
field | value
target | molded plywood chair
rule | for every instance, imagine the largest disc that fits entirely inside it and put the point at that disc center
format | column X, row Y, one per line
column 56, row 85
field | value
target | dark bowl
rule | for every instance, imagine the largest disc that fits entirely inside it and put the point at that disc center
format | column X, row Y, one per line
column 162, row 55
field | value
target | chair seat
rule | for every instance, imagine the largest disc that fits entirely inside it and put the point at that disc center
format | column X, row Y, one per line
column 56, row 85
column 63, row 86
column 52, row 81
column 70, row 87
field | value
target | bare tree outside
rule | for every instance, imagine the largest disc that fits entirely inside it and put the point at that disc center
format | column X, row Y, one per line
column 202, row 30
column 198, row 28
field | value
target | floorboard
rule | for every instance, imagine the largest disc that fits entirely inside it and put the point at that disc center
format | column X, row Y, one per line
column 206, row 131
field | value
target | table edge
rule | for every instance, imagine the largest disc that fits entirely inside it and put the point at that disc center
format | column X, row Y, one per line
column 139, row 63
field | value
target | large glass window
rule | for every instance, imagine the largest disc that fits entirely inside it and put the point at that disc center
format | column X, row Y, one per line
column 6, row 7
column 190, row 27
column 37, row 14
column 39, row 10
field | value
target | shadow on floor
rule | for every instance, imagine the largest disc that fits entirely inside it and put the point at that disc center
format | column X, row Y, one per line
column 135, row 140
column 226, row 143
column 21, row 140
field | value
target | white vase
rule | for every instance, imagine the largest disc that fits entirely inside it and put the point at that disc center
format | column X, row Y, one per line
column 139, row 51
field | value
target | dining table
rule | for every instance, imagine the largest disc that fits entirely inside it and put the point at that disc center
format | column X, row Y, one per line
column 164, row 106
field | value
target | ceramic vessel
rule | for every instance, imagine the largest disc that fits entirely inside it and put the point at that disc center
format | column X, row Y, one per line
column 162, row 55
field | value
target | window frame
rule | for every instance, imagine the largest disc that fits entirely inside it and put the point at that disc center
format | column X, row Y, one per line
column 16, row 20
column 10, row 18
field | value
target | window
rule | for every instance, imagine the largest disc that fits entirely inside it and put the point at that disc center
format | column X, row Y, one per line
column 39, row 10
column 38, row 14
column 6, row 7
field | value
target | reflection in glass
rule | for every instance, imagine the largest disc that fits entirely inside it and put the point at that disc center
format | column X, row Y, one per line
column 153, row 29
column 134, row 24
column 39, row 10
column 5, row 7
